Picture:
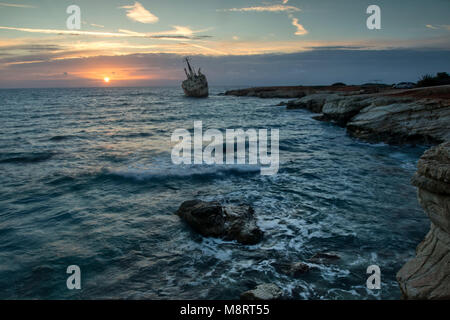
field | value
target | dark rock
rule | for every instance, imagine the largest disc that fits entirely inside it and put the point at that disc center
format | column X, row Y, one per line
column 270, row 92
column 324, row 258
column 299, row 268
column 295, row 269
column 266, row 291
column 211, row 219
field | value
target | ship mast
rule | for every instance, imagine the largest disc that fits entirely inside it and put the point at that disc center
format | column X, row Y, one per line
column 191, row 73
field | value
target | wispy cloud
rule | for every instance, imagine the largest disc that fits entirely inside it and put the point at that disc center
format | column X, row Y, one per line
column 437, row 27
column 284, row 8
column 430, row 26
column 300, row 29
column 15, row 5
column 68, row 32
column 177, row 33
column 269, row 8
column 138, row 13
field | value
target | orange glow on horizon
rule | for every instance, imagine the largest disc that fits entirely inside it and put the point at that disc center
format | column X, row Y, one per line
column 106, row 74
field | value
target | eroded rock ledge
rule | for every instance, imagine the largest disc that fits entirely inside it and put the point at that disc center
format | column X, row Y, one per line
column 427, row 276
column 390, row 118
column 416, row 116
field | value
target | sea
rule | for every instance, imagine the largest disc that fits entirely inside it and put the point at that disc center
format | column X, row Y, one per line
column 87, row 179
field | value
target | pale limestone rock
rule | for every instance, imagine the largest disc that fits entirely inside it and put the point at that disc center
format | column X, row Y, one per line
column 427, row 276
column 421, row 121
column 312, row 102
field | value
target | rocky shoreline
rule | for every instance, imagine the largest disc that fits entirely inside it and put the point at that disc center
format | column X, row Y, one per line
column 415, row 116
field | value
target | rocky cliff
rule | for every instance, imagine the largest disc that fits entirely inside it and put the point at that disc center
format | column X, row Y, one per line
column 427, row 275
column 410, row 117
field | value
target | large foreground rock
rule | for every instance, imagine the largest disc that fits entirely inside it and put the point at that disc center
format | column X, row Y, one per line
column 427, row 276
column 211, row 219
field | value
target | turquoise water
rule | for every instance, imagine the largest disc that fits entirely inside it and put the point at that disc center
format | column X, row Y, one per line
column 87, row 179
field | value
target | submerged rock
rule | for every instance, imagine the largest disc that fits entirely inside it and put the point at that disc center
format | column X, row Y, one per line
column 295, row 269
column 427, row 275
column 266, row 291
column 211, row 219
column 324, row 258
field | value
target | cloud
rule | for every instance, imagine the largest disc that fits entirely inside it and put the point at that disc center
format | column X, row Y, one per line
column 34, row 47
column 275, row 8
column 309, row 68
column 2, row 4
column 343, row 47
column 69, row 32
column 138, row 13
column 301, row 31
column 269, row 8
column 183, row 40
column 438, row 27
column 177, row 33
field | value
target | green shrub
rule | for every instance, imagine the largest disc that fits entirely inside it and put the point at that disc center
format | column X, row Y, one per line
column 427, row 80
column 338, row 84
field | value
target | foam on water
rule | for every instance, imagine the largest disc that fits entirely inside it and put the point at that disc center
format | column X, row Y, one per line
column 87, row 179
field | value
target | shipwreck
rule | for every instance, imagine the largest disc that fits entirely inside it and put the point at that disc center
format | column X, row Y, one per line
column 196, row 84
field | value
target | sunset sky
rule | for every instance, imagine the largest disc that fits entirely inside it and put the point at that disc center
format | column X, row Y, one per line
column 141, row 43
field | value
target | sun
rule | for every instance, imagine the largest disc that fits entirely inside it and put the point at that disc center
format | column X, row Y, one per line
column 106, row 79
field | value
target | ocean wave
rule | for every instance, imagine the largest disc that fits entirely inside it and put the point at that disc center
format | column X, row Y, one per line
column 194, row 171
column 59, row 138
column 25, row 157
column 132, row 135
column 141, row 94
